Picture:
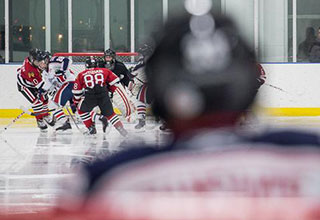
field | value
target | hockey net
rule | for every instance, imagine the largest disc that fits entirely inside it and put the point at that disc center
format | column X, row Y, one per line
column 78, row 59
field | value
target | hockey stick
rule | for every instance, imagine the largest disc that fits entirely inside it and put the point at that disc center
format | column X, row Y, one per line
column 13, row 121
column 74, row 121
column 275, row 87
column 26, row 110
column 139, row 80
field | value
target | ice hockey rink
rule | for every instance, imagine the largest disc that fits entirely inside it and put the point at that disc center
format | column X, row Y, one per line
column 34, row 165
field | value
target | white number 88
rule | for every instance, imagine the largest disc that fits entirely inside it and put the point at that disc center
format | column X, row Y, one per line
column 92, row 80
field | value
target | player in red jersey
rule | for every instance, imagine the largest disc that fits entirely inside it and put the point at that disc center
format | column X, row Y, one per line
column 32, row 87
column 90, row 90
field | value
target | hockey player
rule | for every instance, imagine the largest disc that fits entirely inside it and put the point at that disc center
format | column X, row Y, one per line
column 143, row 96
column 120, row 98
column 32, row 86
column 90, row 90
column 209, row 167
column 62, row 78
column 202, row 99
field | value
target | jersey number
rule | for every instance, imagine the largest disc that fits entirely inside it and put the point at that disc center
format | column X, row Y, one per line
column 92, row 80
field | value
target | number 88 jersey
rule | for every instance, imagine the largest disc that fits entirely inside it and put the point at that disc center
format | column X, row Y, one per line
column 95, row 81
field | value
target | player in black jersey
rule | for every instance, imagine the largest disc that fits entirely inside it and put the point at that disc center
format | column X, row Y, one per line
column 119, row 68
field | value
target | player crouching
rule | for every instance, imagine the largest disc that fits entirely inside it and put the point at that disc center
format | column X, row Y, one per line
column 32, row 86
column 62, row 79
column 90, row 90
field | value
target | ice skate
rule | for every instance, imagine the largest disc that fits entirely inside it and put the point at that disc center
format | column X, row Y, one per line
column 42, row 125
column 141, row 126
column 66, row 126
column 92, row 130
column 105, row 123
column 50, row 120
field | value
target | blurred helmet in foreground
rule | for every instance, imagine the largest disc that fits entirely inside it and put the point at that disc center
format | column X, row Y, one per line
column 201, row 73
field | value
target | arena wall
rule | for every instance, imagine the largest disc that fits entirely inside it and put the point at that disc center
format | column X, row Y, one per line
column 290, row 90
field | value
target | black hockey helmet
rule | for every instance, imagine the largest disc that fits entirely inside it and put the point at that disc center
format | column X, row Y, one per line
column 38, row 55
column 111, row 53
column 109, row 58
column 201, row 72
column 39, row 58
column 91, row 62
column 33, row 54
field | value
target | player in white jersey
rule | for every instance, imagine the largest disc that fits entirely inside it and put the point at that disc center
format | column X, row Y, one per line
column 140, row 87
column 62, row 78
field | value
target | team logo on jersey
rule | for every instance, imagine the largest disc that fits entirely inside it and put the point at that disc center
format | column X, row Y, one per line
column 31, row 74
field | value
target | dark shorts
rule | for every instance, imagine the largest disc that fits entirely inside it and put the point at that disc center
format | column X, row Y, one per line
column 101, row 100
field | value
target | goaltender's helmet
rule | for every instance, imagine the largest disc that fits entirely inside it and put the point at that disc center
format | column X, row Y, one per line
column 90, row 62
column 110, row 52
column 201, row 71
column 109, row 58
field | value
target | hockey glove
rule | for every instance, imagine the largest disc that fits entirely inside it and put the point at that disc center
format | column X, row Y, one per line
column 41, row 94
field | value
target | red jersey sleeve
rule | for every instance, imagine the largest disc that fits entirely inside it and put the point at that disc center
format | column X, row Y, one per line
column 110, row 77
column 77, row 89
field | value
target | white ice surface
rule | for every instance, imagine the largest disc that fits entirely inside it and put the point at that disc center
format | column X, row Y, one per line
column 33, row 164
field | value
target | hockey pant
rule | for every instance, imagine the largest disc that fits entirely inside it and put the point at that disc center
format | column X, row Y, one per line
column 87, row 104
column 143, row 98
column 60, row 99
column 122, row 101
column 39, row 101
